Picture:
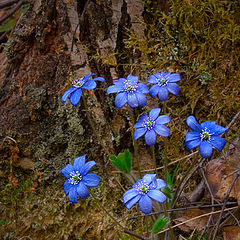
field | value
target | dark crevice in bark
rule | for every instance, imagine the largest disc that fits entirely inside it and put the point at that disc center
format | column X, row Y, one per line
column 124, row 24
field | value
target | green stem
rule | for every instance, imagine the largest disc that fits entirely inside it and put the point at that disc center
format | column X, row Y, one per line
column 154, row 158
column 94, row 129
column 119, row 224
column 164, row 155
column 135, row 145
column 106, row 211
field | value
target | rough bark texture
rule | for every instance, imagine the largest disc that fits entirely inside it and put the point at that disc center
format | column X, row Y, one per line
column 53, row 39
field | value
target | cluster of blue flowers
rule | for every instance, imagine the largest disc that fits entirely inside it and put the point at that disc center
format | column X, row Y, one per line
column 205, row 135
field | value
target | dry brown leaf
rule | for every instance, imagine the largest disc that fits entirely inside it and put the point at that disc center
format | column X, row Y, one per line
column 198, row 224
column 231, row 233
column 219, row 174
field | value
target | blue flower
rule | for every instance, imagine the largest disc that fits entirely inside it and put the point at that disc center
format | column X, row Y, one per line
column 75, row 92
column 78, row 179
column 129, row 91
column 143, row 191
column 151, row 125
column 205, row 135
column 164, row 83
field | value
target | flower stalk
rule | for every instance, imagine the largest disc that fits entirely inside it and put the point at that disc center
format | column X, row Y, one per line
column 94, row 129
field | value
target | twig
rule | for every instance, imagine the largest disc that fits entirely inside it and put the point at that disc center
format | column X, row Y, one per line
column 11, row 12
column 171, row 163
column 212, row 200
column 233, row 120
column 7, row 3
column 5, row 33
column 180, row 187
column 183, row 208
column 136, row 235
column 224, row 203
column 195, row 218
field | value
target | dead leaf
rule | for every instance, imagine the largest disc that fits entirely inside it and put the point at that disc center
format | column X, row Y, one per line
column 231, row 233
column 198, row 224
column 219, row 174
column 26, row 163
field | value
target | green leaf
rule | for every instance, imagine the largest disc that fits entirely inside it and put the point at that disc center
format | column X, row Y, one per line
column 122, row 162
column 160, row 224
column 167, row 191
column 169, row 180
column 2, row 222
column 7, row 26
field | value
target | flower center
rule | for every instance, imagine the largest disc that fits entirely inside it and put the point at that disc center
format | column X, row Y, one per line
column 149, row 123
column 78, row 83
column 163, row 80
column 130, row 87
column 142, row 187
column 75, row 177
column 205, row 135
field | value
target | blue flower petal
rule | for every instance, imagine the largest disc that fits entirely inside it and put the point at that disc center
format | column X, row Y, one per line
column 208, row 124
column 218, row 142
column 66, row 187
column 87, row 167
column 91, row 180
column 67, row 93
column 192, row 144
column 150, row 137
column 120, row 81
column 148, row 177
column 193, row 124
column 163, row 119
column 86, row 77
column 174, row 77
column 100, row 79
column 217, row 129
column 132, row 78
column 75, row 97
column 139, row 132
column 82, row 190
column 157, row 196
column 140, row 121
column 190, row 136
column 128, row 195
column 67, row 170
column 72, row 196
column 154, row 113
column 79, row 163
column 121, row 99
column 173, row 88
column 154, row 90
column 152, row 79
column 205, row 149
column 163, row 93
column 162, row 130
column 142, row 100
column 145, row 204
column 131, row 202
column 143, row 88
column 91, row 84
column 114, row 89
column 159, row 75
column 160, row 184
column 132, row 100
